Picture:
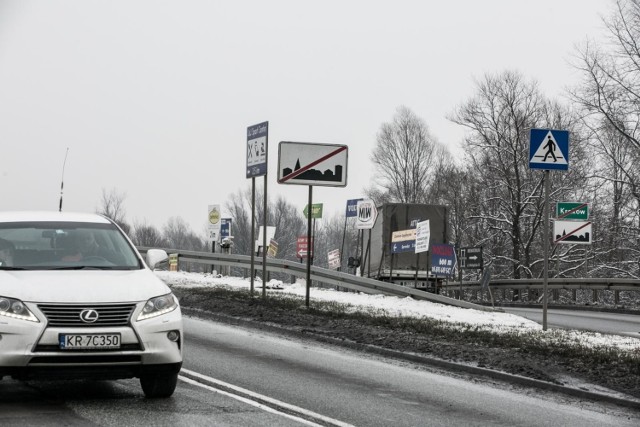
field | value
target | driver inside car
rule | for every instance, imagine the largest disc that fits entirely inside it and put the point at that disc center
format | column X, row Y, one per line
column 84, row 245
column 6, row 253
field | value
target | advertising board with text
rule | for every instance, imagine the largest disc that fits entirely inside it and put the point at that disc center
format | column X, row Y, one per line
column 443, row 260
column 423, row 235
column 367, row 213
column 303, row 248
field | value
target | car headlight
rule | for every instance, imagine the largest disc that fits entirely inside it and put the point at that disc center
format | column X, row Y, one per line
column 16, row 309
column 158, row 306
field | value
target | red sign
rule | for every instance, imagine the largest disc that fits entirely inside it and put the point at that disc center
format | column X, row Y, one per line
column 302, row 247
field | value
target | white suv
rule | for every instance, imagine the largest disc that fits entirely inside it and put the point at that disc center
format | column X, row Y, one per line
column 78, row 301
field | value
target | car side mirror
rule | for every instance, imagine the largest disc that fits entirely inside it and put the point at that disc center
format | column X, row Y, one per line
column 155, row 257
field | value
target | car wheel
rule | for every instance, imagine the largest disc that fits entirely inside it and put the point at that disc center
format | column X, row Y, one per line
column 159, row 385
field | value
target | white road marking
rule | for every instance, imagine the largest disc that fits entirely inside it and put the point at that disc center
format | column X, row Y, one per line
column 209, row 383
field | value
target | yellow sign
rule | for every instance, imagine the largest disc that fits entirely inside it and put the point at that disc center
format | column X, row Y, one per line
column 273, row 249
column 173, row 262
column 214, row 215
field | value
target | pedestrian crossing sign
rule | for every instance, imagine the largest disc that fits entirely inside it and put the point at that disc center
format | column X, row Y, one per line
column 549, row 149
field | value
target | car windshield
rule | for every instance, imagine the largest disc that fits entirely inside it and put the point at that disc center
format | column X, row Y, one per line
column 65, row 246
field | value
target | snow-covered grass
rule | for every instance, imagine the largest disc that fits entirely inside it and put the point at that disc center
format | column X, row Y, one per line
column 451, row 317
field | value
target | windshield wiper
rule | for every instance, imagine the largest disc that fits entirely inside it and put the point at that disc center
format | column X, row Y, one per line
column 6, row 267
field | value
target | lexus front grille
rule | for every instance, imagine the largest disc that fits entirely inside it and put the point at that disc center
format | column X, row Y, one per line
column 69, row 315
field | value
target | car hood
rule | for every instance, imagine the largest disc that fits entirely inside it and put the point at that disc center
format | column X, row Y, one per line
column 78, row 286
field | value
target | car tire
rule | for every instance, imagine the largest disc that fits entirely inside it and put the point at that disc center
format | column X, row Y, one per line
column 159, row 385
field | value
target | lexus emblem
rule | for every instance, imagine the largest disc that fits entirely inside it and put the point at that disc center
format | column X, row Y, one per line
column 89, row 315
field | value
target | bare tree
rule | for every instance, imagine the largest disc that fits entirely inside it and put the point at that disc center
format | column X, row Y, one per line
column 147, row 235
column 178, row 235
column 508, row 198
column 405, row 157
column 239, row 209
column 609, row 96
column 112, row 206
column 286, row 217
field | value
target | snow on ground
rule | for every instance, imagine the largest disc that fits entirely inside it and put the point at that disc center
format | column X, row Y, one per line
column 458, row 318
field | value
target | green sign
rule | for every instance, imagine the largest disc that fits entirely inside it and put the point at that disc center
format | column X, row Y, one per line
column 316, row 211
column 572, row 210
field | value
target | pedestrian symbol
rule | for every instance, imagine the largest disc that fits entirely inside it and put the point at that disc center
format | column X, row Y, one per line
column 549, row 149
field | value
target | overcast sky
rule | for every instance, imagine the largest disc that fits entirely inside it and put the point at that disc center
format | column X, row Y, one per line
column 153, row 98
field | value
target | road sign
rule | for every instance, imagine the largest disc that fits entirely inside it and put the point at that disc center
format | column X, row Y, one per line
column 225, row 227
column 403, row 235
column 305, row 163
column 403, row 241
column 549, row 149
column 352, row 208
column 572, row 232
column 486, row 279
column 471, row 257
column 273, row 249
column 423, row 235
column 406, row 246
column 213, row 224
column 443, row 260
column 366, row 214
column 271, row 232
column 316, row 211
column 257, row 144
column 333, row 259
column 572, row 210
column 302, row 247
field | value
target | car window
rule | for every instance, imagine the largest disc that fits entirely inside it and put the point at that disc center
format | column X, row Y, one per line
column 65, row 245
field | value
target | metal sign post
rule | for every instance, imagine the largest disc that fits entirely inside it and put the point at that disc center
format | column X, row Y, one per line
column 308, row 277
column 257, row 145
column 548, row 150
column 546, row 251
column 311, row 164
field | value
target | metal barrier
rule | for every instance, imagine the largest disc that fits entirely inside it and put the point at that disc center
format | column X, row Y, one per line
column 322, row 275
column 372, row 286
column 612, row 284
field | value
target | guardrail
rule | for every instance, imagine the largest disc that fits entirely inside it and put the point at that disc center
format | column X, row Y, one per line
column 322, row 275
column 612, row 284
column 603, row 290
column 372, row 286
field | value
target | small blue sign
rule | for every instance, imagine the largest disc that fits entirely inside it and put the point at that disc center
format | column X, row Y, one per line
column 549, row 149
column 225, row 227
column 406, row 246
column 352, row 207
column 443, row 260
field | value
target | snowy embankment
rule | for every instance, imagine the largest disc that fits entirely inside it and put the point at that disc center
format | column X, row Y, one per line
column 453, row 317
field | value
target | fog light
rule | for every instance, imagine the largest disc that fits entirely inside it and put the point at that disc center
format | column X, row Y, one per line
column 173, row 336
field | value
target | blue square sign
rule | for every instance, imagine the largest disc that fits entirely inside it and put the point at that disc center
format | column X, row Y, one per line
column 549, row 149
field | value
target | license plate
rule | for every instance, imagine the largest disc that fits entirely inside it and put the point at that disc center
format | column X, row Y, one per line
column 88, row 341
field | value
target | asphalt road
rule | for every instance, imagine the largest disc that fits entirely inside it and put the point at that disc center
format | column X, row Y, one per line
column 606, row 323
column 247, row 377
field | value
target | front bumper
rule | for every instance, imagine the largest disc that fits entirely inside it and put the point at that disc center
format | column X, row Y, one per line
column 29, row 350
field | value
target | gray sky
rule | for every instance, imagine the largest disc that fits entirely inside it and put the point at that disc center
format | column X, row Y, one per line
column 153, row 98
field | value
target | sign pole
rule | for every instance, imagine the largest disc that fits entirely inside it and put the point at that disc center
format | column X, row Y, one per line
column 546, row 250
column 309, row 247
column 253, row 230
column 369, row 255
column 344, row 234
column 264, row 241
column 257, row 147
